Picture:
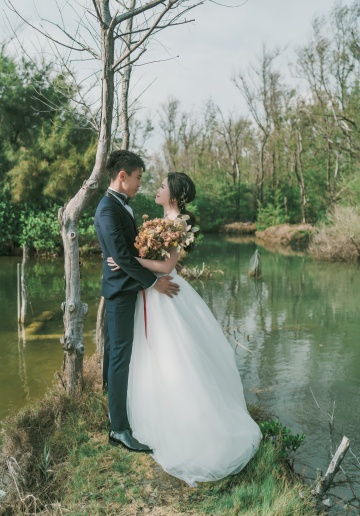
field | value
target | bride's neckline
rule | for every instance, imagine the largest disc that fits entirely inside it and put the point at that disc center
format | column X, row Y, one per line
column 166, row 216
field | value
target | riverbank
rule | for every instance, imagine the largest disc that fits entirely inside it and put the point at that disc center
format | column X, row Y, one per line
column 296, row 236
column 55, row 459
column 338, row 241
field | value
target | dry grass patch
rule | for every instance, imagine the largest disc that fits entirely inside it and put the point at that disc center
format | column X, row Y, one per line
column 339, row 239
column 296, row 235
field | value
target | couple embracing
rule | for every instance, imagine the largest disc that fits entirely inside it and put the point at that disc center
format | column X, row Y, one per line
column 174, row 388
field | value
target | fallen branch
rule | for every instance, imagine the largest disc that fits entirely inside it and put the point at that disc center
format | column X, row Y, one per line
column 325, row 481
column 238, row 343
column 197, row 272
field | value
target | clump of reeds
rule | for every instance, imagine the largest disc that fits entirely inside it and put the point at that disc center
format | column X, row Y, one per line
column 339, row 238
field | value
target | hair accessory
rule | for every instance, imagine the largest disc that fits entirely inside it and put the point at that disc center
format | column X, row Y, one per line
column 182, row 200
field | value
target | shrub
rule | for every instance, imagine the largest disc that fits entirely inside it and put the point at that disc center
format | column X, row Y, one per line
column 272, row 214
column 40, row 230
column 9, row 224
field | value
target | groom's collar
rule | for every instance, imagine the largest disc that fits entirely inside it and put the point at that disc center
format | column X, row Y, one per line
column 120, row 195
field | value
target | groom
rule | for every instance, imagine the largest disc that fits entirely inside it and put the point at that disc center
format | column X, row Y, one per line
column 116, row 230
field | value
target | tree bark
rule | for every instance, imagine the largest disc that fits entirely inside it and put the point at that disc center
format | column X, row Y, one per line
column 262, row 164
column 325, row 481
column 100, row 329
column 300, row 176
column 125, row 134
column 23, row 285
column 74, row 310
column 125, row 83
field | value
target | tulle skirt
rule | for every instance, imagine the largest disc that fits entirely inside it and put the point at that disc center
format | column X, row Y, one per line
column 185, row 396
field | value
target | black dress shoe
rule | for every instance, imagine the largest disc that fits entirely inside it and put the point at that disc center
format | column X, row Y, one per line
column 125, row 438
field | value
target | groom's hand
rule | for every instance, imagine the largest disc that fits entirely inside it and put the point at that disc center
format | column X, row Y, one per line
column 167, row 287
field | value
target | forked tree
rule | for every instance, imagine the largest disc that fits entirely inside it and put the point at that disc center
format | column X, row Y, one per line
column 114, row 35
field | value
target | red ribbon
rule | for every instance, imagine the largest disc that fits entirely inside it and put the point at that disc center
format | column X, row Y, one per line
column 145, row 316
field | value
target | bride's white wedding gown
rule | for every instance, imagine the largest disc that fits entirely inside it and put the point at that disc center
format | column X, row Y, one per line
column 185, row 397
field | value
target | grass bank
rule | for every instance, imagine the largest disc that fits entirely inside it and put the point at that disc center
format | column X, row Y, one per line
column 55, row 460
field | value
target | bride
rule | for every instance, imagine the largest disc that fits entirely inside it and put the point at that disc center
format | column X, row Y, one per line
column 185, row 396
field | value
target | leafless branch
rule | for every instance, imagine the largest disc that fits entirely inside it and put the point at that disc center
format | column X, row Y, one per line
column 146, row 35
column 134, row 60
column 329, row 416
column 134, row 12
column 158, row 61
column 158, row 28
column 46, row 34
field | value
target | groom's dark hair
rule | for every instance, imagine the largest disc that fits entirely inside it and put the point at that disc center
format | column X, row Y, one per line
column 123, row 160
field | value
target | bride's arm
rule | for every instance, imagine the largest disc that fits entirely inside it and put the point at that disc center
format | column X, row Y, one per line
column 164, row 266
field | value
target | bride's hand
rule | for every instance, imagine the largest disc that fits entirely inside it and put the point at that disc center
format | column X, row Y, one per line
column 111, row 263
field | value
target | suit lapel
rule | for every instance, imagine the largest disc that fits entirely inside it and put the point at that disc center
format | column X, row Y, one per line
column 122, row 207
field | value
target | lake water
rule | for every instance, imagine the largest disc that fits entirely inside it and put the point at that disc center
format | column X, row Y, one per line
column 300, row 322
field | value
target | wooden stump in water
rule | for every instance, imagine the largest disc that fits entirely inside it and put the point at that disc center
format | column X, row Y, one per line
column 325, row 481
column 254, row 265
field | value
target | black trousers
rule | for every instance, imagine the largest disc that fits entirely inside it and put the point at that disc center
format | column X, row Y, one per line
column 117, row 354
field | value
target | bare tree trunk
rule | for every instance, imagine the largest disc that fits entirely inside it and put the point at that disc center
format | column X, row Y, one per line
column 328, row 167
column 23, row 285
column 336, row 172
column 125, row 134
column 262, row 176
column 125, row 83
column 325, row 481
column 300, row 176
column 73, row 309
column 100, row 334
column 18, row 291
column 160, row 16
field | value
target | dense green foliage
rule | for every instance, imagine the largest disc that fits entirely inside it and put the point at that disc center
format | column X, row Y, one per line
column 286, row 442
column 46, row 152
column 297, row 155
column 293, row 159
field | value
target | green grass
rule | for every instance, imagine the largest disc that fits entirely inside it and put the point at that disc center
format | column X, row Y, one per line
column 64, row 465
column 264, row 487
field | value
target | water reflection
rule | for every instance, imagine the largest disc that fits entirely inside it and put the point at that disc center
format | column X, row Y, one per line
column 22, row 361
column 300, row 320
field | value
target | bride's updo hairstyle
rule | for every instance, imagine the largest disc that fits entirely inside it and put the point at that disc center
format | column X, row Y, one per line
column 182, row 189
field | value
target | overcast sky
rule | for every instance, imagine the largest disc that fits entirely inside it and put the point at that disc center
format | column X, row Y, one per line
column 213, row 48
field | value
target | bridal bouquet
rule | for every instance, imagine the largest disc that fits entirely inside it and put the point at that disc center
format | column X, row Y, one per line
column 158, row 236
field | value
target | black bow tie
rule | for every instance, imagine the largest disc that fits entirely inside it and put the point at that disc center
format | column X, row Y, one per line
column 122, row 197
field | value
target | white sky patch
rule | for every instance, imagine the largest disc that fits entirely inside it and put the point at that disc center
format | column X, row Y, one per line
column 211, row 50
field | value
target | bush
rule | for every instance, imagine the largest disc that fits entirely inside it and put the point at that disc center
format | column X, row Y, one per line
column 287, row 442
column 214, row 206
column 272, row 214
column 88, row 240
column 40, row 230
column 9, row 224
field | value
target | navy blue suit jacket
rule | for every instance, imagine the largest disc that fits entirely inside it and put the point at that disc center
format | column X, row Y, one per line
column 116, row 230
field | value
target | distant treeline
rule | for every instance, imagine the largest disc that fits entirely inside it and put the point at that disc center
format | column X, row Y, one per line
column 296, row 155
column 292, row 159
